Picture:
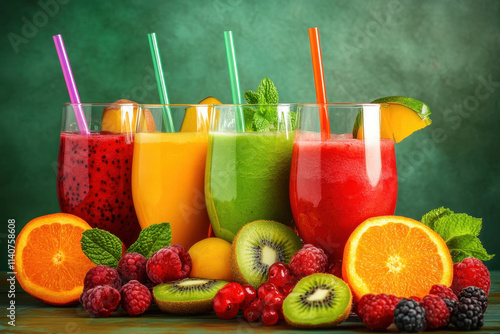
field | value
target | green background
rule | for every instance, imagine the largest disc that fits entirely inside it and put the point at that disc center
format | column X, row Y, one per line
column 440, row 52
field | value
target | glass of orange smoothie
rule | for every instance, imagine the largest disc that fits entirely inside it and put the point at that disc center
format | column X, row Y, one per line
column 168, row 171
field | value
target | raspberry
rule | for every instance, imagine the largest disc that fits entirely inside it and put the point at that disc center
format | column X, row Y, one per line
column 409, row 316
column 452, row 304
column 132, row 266
column 468, row 315
column 437, row 314
column 475, row 292
column 470, row 272
column 378, row 311
column 102, row 275
column 443, row 291
column 360, row 305
column 136, row 298
column 170, row 263
column 101, row 301
column 308, row 260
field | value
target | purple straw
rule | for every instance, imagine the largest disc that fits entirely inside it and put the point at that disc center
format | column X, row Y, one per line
column 70, row 83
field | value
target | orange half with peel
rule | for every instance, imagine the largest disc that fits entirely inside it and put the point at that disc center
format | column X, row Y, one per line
column 395, row 255
column 50, row 263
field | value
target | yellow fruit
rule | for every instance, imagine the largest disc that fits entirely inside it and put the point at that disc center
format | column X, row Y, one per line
column 121, row 117
column 395, row 255
column 211, row 258
column 197, row 119
column 400, row 117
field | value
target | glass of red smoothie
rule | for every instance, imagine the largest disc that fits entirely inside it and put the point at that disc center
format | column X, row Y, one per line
column 337, row 183
column 94, row 171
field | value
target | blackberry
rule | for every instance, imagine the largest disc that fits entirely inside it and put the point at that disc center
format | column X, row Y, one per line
column 468, row 315
column 452, row 304
column 409, row 316
column 475, row 292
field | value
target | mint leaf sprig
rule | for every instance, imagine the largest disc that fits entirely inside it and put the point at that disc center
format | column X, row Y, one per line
column 460, row 232
column 102, row 247
column 263, row 117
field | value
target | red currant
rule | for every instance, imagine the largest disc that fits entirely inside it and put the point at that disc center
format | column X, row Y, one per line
column 278, row 274
column 234, row 292
column 270, row 316
column 250, row 295
column 287, row 288
column 221, row 303
column 251, row 314
column 265, row 288
column 230, row 313
column 272, row 298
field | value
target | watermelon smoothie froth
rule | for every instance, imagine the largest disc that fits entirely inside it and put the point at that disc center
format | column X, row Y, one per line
column 94, row 182
column 337, row 184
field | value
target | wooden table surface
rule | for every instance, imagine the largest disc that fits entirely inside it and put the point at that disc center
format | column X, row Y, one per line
column 33, row 316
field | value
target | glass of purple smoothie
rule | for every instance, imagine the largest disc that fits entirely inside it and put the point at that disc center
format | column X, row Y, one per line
column 94, row 171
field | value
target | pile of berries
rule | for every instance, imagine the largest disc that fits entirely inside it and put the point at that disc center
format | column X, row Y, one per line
column 440, row 308
column 130, row 284
column 266, row 303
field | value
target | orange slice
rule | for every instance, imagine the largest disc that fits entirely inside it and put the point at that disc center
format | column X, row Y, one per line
column 50, row 264
column 197, row 119
column 395, row 255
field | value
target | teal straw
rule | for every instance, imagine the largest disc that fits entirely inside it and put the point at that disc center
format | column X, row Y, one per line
column 233, row 78
column 160, row 81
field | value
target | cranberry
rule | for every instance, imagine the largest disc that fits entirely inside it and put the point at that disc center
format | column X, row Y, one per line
column 250, row 295
column 265, row 288
column 270, row 316
column 278, row 274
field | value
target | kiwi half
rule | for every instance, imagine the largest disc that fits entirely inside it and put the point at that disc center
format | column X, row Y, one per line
column 257, row 246
column 187, row 296
column 318, row 301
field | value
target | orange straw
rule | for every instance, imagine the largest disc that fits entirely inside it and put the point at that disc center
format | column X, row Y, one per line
column 319, row 82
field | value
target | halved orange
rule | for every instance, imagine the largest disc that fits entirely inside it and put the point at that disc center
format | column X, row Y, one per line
column 395, row 255
column 49, row 262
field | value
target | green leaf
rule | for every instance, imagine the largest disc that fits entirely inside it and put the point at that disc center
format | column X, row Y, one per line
column 467, row 245
column 430, row 217
column 152, row 239
column 457, row 224
column 248, row 115
column 101, row 247
column 268, row 90
column 260, row 124
column 252, row 97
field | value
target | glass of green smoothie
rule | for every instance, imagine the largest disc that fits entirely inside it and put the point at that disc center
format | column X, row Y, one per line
column 247, row 173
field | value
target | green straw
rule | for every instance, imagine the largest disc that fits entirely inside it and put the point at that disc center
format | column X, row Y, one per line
column 233, row 78
column 160, row 81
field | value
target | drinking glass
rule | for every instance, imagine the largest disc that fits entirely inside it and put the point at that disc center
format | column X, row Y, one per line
column 247, row 173
column 94, row 171
column 337, row 183
column 168, row 171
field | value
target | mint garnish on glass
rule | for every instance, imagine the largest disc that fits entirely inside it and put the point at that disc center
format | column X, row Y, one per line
column 460, row 232
column 264, row 116
column 102, row 247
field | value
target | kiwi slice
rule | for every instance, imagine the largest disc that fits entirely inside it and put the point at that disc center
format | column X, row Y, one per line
column 318, row 300
column 257, row 246
column 187, row 296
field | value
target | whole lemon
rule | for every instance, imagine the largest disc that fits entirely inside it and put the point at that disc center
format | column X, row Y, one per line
column 210, row 258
